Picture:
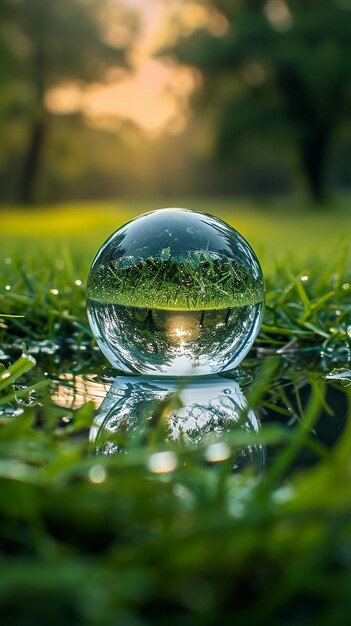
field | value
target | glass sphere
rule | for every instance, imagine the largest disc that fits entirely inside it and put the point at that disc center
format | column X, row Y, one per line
column 175, row 292
column 138, row 410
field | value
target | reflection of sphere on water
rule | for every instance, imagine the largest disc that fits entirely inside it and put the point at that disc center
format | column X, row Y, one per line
column 137, row 411
column 175, row 292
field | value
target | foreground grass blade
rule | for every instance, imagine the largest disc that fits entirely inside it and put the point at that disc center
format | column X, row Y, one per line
column 17, row 369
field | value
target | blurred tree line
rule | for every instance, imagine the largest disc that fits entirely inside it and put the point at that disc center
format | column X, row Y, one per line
column 282, row 69
column 44, row 43
column 272, row 114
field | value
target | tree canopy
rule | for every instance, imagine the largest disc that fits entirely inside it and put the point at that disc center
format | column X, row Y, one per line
column 281, row 64
column 46, row 43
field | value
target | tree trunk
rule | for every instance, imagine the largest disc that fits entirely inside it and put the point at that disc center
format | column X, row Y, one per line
column 32, row 158
column 314, row 150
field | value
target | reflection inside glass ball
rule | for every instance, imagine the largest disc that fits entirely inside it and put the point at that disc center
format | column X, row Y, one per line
column 175, row 292
column 137, row 412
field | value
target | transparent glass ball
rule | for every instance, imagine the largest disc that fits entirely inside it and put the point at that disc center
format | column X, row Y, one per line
column 175, row 292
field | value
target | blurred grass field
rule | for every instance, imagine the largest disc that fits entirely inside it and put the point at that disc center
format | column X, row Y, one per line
column 276, row 230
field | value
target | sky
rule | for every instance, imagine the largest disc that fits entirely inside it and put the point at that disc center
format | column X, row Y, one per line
column 155, row 96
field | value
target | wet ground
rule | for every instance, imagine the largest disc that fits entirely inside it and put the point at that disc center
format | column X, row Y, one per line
column 80, row 376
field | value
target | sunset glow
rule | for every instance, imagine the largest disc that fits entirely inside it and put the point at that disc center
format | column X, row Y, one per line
column 155, row 94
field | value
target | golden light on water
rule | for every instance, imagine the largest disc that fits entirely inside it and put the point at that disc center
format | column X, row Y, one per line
column 74, row 391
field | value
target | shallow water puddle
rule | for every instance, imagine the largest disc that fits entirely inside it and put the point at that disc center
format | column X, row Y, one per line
column 285, row 401
column 73, row 391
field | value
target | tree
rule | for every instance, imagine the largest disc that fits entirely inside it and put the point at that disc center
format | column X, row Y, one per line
column 49, row 42
column 286, row 64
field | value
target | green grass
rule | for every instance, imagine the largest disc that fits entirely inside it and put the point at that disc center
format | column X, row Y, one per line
column 44, row 274
column 197, row 283
column 279, row 230
column 104, row 541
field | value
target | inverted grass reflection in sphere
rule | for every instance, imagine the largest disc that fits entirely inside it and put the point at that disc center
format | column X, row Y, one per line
column 175, row 292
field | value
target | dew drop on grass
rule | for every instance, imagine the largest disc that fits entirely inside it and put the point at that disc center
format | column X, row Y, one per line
column 175, row 292
column 97, row 474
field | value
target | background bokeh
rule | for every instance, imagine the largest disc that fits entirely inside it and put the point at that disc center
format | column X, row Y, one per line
column 174, row 99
